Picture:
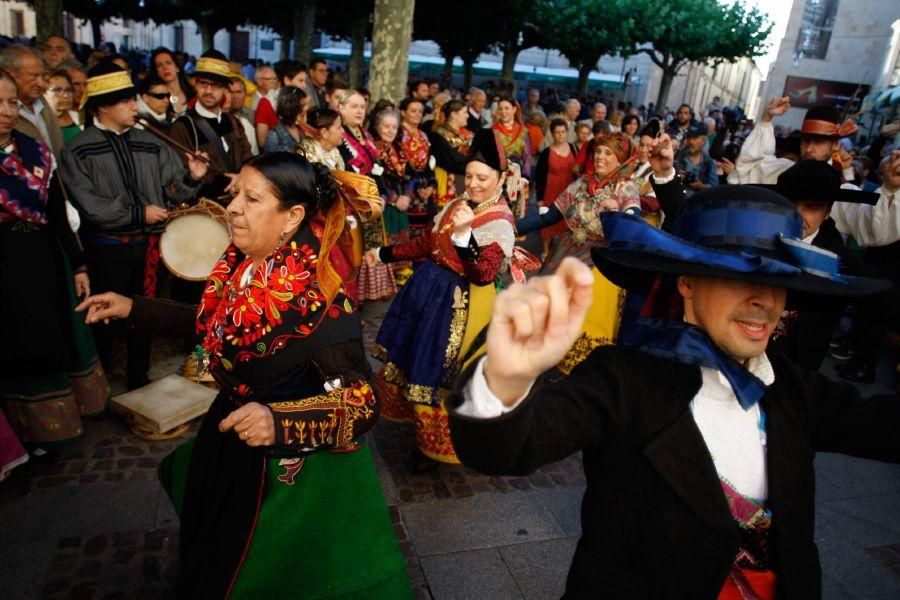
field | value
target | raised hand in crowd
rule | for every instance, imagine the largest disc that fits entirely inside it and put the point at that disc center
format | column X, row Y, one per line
column 105, row 307
column 196, row 165
column 891, row 129
column 534, row 325
column 662, row 156
column 777, row 106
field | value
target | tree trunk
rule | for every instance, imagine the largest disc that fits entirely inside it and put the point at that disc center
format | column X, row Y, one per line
column 665, row 85
column 357, row 64
column 48, row 14
column 391, row 38
column 583, row 73
column 207, row 33
column 304, row 27
column 510, row 55
column 95, row 31
column 468, row 71
column 447, row 74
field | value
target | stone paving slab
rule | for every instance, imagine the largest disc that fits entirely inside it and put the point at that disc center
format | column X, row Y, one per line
column 23, row 567
column 470, row 575
column 540, row 568
column 60, row 512
column 840, row 477
column 483, row 521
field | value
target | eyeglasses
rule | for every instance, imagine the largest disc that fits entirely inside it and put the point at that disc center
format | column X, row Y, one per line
column 201, row 83
column 61, row 91
column 159, row 95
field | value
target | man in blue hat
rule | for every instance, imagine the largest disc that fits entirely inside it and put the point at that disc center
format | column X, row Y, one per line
column 698, row 449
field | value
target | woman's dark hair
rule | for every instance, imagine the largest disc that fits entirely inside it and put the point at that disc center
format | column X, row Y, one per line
column 406, row 102
column 321, row 118
column 627, row 119
column 450, row 107
column 507, row 98
column 186, row 86
column 63, row 73
column 557, row 123
column 380, row 106
column 296, row 181
column 289, row 105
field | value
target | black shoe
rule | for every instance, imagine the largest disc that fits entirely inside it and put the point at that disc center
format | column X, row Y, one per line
column 421, row 463
column 844, row 351
column 860, row 373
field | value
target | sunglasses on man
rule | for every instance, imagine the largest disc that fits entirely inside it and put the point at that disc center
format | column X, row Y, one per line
column 159, row 95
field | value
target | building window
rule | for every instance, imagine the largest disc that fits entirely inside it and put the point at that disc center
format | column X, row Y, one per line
column 815, row 29
column 268, row 44
column 179, row 38
column 17, row 19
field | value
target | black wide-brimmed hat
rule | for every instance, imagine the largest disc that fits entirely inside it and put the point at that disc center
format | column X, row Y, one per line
column 739, row 232
column 214, row 65
column 487, row 148
column 817, row 180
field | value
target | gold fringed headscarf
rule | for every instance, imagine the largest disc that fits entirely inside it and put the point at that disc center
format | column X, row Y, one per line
column 357, row 196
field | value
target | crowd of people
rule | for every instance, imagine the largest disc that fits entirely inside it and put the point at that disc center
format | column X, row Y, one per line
column 337, row 201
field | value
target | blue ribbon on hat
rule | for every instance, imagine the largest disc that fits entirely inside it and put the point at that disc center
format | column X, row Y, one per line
column 729, row 242
column 688, row 344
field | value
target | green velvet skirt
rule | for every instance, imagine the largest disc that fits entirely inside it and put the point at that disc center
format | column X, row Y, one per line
column 323, row 531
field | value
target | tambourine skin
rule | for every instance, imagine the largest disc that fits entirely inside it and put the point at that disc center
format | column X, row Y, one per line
column 194, row 240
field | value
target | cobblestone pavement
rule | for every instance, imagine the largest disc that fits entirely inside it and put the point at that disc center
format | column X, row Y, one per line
column 96, row 524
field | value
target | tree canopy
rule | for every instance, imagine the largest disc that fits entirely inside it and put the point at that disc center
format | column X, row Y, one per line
column 677, row 32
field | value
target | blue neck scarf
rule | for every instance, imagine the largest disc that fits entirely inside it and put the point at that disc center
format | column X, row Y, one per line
column 688, row 344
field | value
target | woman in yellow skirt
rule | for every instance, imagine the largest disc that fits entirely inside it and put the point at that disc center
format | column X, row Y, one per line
column 438, row 314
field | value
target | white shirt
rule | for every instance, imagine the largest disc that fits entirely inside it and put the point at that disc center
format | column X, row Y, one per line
column 877, row 225
column 732, row 435
column 33, row 116
column 208, row 114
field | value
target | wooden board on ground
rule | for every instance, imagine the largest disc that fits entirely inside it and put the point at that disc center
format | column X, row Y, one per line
column 166, row 403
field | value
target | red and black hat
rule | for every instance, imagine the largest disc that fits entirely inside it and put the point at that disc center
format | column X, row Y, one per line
column 825, row 121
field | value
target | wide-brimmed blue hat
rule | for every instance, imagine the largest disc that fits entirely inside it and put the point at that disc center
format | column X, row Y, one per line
column 740, row 232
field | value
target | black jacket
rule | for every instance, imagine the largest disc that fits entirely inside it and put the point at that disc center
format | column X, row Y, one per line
column 809, row 332
column 655, row 523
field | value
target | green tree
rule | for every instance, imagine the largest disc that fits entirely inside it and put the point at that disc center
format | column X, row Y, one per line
column 350, row 20
column 584, row 31
column 516, row 29
column 677, row 32
column 435, row 21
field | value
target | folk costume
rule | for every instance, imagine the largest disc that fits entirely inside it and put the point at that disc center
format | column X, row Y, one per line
column 313, row 151
column 579, row 206
column 689, row 454
column 360, row 154
column 284, row 335
column 516, row 142
column 50, row 376
column 394, row 182
column 804, row 335
column 449, row 148
column 434, row 320
column 111, row 177
column 418, row 152
column 218, row 133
